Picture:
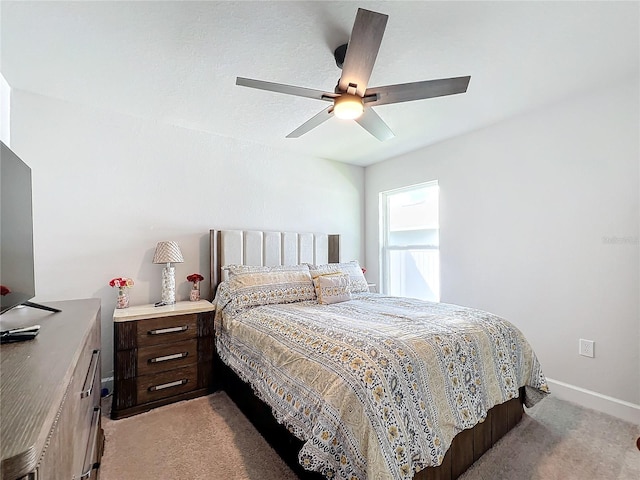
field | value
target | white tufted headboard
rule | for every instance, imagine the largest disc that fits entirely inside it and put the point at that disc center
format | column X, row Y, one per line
column 251, row 247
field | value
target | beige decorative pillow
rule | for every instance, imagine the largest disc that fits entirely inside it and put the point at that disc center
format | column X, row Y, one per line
column 237, row 269
column 357, row 282
column 332, row 288
column 267, row 287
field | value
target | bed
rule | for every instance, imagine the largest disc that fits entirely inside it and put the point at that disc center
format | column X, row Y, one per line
column 355, row 385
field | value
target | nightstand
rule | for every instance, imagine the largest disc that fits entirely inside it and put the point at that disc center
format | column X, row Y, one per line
column 161, row 355
column 373, row 288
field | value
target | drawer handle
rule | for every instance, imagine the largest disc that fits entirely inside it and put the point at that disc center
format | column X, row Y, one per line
column 89, row 381
column 161, row 331
column 88, row 460
column 166, row 358
column 177, row 383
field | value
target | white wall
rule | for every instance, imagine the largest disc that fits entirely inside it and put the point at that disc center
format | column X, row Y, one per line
column 107, row 187
column 528, row 210
column 5, row 104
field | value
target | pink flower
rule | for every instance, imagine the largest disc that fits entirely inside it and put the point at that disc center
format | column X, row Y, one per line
column 121, row 282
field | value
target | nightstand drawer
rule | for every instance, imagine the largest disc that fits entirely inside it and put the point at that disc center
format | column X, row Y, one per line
column 167, row 384
column 167, row 329
column 169, row 356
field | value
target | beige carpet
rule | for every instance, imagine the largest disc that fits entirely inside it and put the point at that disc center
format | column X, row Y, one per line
column 558, row 440
column 209, row 438
column 204, row 438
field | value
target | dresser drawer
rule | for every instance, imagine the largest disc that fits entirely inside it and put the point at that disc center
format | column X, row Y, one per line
column 90, row 409
column 166, row 384
column 76, row 430
column 156, row 331
column 168, row 356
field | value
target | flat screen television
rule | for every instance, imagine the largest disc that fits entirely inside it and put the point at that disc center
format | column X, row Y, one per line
column 17, row 279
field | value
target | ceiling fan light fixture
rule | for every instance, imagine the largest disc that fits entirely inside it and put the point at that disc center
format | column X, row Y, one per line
column 348, row 107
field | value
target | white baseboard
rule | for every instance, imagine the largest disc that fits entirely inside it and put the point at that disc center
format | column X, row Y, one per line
column 627, row 411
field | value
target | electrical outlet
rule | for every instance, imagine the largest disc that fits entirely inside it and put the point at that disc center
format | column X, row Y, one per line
column 587, row 348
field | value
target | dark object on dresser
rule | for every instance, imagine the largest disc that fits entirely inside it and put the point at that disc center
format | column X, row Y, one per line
column 161, row 355
column 50, row 397
column 19, row 334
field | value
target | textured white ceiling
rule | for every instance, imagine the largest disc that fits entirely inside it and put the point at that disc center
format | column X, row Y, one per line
column 176, row 62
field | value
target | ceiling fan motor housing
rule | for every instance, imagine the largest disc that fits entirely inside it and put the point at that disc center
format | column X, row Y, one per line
column 339, row 54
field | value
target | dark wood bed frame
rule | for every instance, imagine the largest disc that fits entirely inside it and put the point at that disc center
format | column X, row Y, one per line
column 466, row 448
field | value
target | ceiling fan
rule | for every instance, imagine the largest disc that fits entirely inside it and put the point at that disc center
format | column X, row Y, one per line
column 352, row 99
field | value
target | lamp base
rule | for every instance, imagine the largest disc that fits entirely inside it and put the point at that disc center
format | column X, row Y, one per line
column 168, row 285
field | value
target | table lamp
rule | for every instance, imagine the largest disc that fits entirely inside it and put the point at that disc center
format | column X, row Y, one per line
column 168, row 253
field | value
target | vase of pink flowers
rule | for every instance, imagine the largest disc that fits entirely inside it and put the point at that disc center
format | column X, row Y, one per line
column 122, row 284
column 195, row 278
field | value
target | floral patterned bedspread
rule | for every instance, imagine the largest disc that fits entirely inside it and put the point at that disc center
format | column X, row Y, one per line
column 378, row 386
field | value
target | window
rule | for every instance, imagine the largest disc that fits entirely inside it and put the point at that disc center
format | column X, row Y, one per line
column 410, row 262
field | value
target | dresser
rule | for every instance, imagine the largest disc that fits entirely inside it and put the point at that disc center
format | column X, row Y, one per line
column 161, row 355
column 50, row 394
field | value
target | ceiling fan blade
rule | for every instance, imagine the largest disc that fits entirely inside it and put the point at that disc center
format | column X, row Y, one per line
column 406, row 92
column 288, row 89
column 366, row 37
column 312, row 123
column 373, row 124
